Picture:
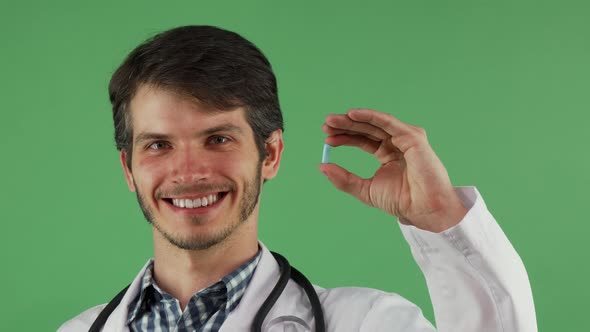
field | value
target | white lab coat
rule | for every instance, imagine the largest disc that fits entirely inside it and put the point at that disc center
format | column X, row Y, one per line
column 476, row 280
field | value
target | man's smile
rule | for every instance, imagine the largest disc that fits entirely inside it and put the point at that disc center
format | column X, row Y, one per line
column 198, row 203
column 193, row 203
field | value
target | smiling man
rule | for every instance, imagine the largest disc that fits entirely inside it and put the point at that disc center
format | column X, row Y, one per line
column 199, row 129
column 196, row 171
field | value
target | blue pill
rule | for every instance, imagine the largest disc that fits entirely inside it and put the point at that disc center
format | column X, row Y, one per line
column 326, row 153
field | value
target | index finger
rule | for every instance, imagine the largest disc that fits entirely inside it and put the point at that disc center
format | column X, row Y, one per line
column 387, row 122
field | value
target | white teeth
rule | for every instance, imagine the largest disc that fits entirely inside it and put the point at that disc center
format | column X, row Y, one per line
column 196, row 203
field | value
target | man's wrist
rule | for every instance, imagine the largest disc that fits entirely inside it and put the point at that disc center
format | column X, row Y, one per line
column 450, row 219
column 447, row 218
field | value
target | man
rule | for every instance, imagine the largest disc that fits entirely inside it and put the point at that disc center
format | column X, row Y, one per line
column 199, row 129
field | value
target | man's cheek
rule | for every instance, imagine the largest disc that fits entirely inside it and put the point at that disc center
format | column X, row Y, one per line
column 150, row 168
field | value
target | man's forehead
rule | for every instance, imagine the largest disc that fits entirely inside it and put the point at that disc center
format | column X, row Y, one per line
column 153, row 106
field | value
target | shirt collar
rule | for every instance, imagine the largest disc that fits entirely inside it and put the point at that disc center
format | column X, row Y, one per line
column 235, row 284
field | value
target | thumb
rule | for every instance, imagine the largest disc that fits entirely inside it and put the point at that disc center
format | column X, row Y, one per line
column 347, row 182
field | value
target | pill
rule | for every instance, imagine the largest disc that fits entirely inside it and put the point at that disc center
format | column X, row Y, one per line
column 326, row 153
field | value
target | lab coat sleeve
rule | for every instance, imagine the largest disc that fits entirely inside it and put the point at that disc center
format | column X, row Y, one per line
column 476, row 280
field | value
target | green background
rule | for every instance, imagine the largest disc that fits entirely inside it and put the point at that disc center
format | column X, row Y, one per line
column 501, row 88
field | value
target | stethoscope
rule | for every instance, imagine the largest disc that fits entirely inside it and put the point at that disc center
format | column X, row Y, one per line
column 287, row 272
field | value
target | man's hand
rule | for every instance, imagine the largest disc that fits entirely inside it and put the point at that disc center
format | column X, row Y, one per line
column 411, row 182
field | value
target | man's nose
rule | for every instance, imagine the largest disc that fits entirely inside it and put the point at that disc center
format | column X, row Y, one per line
column 191, row 165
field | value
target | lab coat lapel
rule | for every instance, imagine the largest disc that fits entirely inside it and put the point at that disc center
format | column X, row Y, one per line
column 117, row 321
column 263, row 281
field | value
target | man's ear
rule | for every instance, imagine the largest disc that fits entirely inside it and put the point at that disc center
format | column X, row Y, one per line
column 274, row 150
column 126, row 170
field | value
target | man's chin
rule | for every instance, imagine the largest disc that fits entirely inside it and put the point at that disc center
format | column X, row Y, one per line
column 195, row 242
column 192, row 239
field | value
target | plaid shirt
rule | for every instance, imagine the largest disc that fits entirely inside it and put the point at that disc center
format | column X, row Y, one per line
column 156, row 311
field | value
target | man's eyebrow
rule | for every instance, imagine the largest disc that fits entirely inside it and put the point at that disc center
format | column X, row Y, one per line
column 228, row 127
column 146, row 136
column 224, row 127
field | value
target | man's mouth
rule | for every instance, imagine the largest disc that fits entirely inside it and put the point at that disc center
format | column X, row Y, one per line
column 195, row 203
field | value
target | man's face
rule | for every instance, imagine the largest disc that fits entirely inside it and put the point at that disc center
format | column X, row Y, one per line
column 196, row 171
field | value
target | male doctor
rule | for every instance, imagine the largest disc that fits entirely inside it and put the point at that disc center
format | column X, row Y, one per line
column 199, row 128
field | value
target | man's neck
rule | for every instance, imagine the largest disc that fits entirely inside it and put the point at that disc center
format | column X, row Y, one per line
column 181, row 273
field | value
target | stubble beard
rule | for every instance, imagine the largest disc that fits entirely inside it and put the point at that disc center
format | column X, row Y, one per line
column 247, row 205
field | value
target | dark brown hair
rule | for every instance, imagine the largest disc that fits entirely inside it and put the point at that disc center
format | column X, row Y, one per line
column 217, row 67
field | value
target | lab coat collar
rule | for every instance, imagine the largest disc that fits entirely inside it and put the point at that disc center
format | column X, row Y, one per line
column 288, row 306
column 263, row 280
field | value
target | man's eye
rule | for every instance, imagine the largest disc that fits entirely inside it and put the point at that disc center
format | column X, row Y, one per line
column 219, row 139
column 158, row 146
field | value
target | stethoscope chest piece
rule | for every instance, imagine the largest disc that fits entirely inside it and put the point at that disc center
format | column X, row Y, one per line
column 286, row 323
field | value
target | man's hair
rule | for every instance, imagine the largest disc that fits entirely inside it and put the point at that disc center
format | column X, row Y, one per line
column 218, row 68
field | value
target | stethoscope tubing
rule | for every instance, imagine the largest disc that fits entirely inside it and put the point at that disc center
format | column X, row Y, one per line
column 289, row 272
